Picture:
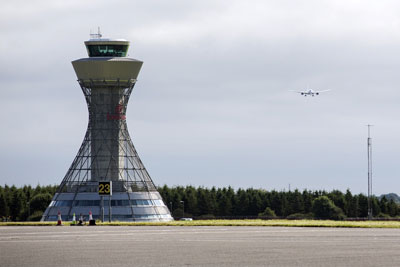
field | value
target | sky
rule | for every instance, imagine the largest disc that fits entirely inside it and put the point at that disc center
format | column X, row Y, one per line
column 212, row 105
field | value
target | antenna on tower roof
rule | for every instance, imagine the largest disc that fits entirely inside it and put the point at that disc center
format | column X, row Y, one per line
column 95, row 35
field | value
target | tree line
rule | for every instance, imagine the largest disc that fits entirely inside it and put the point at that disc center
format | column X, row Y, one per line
column 25, row 203
column 28, row 203
column 226, row 202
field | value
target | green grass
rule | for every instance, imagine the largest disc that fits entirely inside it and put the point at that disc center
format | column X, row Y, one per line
column 284, row 223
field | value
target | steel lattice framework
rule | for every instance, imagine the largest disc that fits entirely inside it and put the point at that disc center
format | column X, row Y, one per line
column 124, row 167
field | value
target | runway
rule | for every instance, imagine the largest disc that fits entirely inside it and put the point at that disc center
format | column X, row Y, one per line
column 197, row 246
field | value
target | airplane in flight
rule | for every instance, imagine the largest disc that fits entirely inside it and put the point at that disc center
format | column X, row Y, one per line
column 310, row 92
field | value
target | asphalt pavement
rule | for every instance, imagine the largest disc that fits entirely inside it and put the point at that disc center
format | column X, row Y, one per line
column 197, row 246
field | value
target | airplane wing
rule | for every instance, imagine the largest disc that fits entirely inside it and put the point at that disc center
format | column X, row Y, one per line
column 300, row 92
column 322, row 91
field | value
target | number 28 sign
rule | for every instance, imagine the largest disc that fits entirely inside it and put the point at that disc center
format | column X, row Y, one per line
column 105, row 188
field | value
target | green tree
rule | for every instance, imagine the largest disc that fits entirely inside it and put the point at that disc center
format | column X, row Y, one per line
column 191, row 200
column 255, row 206
column 324, row 208
column 165, row 193
column 375, row 206
column 204, row 202
column 383, row 204
column 224, row 203
column 296, row 202
column 276, row 203
column 362, row 206
column 338, row 199
column 285, row 210
column 177, row 197
column 3, row 206
column 178, row 213
column 393, row 208
column 213, row 201
column 268, row 212
column 40, row 202
column 348, row 197
column 307, row 200
column 353, row 207
column 243, row 203
column 16, row 205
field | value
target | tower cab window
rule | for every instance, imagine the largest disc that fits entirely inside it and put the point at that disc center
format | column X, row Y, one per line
column 107, row 50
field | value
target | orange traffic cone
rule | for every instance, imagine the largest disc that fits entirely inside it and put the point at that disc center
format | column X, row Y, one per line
column 59, row 221
column 91, row 221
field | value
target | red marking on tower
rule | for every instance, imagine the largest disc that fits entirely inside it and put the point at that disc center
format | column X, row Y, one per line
column 119, row 115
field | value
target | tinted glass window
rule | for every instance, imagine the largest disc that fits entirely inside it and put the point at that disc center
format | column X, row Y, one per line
column 62, row 203
column 141, row 202
column 107, row 50
column 158, row 202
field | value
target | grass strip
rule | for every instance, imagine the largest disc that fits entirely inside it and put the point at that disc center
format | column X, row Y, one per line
column 282, row 223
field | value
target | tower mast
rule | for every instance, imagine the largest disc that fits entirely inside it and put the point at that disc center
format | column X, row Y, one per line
column 369, row 156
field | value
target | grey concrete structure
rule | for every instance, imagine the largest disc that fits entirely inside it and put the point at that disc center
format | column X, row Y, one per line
column 107, row 78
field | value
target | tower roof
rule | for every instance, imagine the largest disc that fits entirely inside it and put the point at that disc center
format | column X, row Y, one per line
column 106, row 41
column 96, row 39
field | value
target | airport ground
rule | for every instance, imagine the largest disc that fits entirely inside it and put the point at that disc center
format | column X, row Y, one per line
column 197, row 246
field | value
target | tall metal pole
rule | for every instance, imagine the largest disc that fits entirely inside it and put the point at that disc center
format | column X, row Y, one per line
column 369, row 143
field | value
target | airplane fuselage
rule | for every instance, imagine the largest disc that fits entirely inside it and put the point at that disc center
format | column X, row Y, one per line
column 309, row 92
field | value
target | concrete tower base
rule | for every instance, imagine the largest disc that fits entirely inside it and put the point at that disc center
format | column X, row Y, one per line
column 135, row 206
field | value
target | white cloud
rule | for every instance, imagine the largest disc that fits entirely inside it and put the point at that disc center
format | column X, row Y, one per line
column 211, row 103
column 271, row 21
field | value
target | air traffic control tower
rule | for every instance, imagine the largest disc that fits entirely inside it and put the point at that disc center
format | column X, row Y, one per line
column 107, row 154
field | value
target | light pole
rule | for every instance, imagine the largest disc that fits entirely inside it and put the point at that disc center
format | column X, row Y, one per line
column 369, row 143
column 183, row 208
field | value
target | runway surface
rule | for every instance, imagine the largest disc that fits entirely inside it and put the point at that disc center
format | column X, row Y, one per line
column 197, row 246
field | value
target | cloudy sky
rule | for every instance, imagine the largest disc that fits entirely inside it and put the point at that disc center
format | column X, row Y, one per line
column 212, row 105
